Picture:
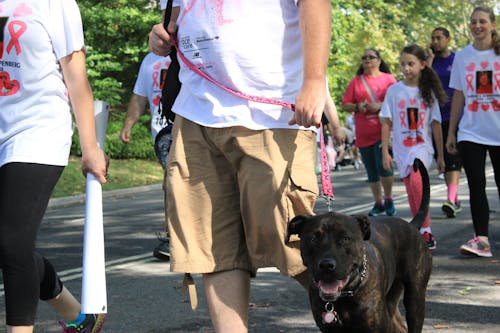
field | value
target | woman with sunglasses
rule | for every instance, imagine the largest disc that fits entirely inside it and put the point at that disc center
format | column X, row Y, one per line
column 363, row 98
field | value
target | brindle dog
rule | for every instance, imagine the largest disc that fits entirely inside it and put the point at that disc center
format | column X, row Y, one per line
column 360, row 266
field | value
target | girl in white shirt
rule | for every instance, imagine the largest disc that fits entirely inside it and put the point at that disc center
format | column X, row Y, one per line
column 42, row 67
column 475, row 76
column 411, row 110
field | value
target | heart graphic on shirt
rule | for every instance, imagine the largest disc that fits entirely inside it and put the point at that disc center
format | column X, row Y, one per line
column 157, row 65
column 409, row 142
column 402, row 104
column 167, row 63
column 496, row 105
column 474, row 106
column 471, row 67
column 485, row 106
column 156, row 100
column 484, row 64
column 22, row 10
column 497, row 66
column 1, row 9
column 423, row 106
column 413, row 101
column 8, row 87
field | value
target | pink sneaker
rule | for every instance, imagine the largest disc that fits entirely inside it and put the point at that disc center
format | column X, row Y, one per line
column 477, row 247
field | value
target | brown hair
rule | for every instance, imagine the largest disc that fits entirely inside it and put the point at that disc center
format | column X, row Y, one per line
column 495, row 39
column 429, row 81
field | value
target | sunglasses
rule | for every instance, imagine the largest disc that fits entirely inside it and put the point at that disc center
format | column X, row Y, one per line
column 368, row 57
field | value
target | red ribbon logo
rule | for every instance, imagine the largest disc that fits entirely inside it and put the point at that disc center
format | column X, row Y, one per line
column 16, row 30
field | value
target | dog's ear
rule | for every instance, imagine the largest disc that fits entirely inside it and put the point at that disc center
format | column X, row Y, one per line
column 295, row 226
column 364, row 225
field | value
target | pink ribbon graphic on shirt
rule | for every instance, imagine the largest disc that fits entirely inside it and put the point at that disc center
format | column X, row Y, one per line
column 402, row 118
column 470, row 80
column 155, row 79
column 14, row 35
column 497, row 81
column 421, row 120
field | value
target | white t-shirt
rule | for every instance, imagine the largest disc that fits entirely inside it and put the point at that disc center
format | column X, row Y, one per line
column 163, row 4
column 411, row 126
column 257, row 53
column 35, row 117
column 148, row 84
column 477, row 74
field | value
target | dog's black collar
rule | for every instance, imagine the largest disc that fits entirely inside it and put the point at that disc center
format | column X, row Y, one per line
column 362, row 273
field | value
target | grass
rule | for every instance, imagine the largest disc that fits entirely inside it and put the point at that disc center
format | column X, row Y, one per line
column 122, row 174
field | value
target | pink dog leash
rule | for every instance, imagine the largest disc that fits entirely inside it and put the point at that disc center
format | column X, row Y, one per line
column 326, row 184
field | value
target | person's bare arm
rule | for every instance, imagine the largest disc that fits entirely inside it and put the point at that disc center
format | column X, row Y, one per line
column 437, row 135
column 315, row 26
column 136, row 108
column 457, row 104
column 82, row 102
column 386, row 133
column 332, row 115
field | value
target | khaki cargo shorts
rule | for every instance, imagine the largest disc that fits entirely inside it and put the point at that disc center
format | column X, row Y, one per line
column 230, row 194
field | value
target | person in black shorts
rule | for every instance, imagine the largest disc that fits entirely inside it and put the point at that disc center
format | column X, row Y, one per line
column 441, row 59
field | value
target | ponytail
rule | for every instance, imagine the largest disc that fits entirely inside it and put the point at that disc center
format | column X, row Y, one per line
column 495, row 40
column 430, row 85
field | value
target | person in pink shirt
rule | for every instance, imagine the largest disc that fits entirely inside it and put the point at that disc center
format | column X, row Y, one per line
column 363, row 98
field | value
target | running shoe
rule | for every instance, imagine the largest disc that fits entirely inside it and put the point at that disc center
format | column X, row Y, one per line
column 162, row 250
column 430, row 240
column 91, row 324
column 390, row 210
column 451, row 209
column 477, row 247
column 377, row 209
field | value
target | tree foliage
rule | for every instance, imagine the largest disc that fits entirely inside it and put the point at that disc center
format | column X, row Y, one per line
column 116, row 36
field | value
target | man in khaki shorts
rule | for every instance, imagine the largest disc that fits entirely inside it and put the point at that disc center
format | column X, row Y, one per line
column 239, row 170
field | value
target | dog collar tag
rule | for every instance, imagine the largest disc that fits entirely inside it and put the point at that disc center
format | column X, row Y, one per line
column 329, row 317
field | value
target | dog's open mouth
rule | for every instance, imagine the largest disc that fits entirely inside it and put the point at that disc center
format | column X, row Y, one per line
column 330, row 291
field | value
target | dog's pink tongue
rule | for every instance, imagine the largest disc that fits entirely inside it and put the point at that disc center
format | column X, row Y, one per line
column 330, row 287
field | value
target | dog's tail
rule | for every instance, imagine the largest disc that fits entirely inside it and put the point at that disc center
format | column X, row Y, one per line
column 421, row 215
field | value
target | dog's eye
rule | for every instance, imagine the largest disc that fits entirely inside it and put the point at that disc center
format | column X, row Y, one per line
column 346, row 239
column 313, row 239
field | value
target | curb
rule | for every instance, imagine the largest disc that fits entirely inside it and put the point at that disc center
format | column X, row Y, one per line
column 56, row 203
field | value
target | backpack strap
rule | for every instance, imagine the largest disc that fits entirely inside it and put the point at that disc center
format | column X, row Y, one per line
column 171, row 85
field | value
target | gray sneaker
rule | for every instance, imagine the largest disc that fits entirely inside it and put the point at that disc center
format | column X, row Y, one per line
column 477, row 247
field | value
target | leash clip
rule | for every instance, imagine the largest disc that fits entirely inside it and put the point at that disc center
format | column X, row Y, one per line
column 329, row 201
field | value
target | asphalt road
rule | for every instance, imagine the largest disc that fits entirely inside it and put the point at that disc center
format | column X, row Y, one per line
column 143, row 296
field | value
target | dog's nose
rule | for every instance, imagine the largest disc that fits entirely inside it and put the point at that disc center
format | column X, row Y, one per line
column 328, row 264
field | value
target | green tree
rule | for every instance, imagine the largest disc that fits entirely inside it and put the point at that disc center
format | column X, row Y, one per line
column 116, row 35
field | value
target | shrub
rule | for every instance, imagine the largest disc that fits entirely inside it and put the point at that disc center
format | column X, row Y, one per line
column 140, row 147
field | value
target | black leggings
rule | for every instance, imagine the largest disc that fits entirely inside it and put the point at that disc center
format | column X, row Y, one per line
column 25, row 190
column 474, row 163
